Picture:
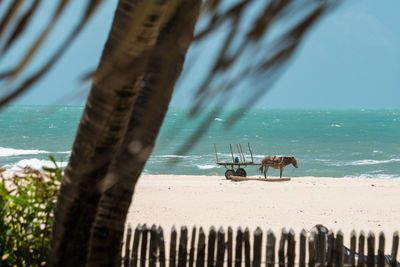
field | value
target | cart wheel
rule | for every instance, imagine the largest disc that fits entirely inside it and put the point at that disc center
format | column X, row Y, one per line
column 228, row 174
column 241, row 172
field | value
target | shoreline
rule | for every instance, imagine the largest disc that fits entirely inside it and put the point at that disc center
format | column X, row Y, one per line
column 9, row 173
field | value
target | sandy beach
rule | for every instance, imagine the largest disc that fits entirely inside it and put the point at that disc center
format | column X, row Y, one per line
column 337, row 203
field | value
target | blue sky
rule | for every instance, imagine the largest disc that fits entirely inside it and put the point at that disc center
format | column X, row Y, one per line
column 351, row 59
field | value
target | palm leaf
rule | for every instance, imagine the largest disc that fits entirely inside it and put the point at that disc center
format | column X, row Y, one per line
column 39, row 40
column 10, row 14
column 28, row 82
column 21, row 25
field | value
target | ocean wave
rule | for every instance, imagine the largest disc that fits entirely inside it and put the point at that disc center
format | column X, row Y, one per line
column 336, row 125
column 64, row 152
column 7, row 152
column 322, row 160
column 206, row 167
column 278, row 155
column 34, row 163
column 364, row 162
column 375, row 176
column 172, row 156
column 373, row 162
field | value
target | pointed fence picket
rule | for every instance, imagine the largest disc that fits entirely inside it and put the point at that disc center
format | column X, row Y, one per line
column 146, row 247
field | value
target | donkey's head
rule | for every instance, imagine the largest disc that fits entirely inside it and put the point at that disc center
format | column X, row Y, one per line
column 294, row 162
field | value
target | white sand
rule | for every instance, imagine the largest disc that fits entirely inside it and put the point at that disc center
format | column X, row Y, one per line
column 337, row 203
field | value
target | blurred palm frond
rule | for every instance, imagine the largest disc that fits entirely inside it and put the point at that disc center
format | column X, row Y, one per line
column 21, row 25
column 267, row 56
column 18, row 24
column 271, row 57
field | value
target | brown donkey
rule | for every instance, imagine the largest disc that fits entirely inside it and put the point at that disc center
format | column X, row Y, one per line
column 276, row 162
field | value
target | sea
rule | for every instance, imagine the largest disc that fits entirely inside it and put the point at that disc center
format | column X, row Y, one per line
column 326, row 142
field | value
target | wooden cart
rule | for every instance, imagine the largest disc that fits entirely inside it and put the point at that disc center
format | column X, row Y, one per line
column 239, row 162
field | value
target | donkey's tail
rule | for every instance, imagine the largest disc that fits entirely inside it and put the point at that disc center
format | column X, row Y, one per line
column 261, row 168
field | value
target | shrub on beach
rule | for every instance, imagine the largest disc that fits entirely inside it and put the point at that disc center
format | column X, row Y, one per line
column 27, row 202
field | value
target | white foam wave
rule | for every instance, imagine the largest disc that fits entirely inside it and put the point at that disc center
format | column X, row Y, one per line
column 206, row 167
column 7, row 152
column 173, row 156
column 34, row 163
column 375, row 176
column 263, row 156
column 364, row 162
column 64, row 152
column 322, row 160
column 335, row 125
column 373, row 162
column 218, row 119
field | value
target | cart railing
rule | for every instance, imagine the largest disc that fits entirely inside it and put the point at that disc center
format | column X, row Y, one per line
column 242, row 157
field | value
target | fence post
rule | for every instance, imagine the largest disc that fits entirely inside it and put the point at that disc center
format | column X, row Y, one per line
column 220, row 247
column 192, row 243
column 339, row 248
column 143, row 248
column 353, row 240
column 371, row 249
column 331, row 249
column 321, row 246
column 229, row 246
column 291, row 248
column 135, row 247
column 257, row 247
column 311, row 249
column 201, row 248
column 211, row 247
column 395, row 246
column 127, row 245
column 161, row 246
column 281, row 251
column 239, row 248
column 361, row 246
column 153, row 246
column 247, row 248
column 270, row 250
column 381, row 250
column 172, row 248
column 302, row 249
column 182, row 252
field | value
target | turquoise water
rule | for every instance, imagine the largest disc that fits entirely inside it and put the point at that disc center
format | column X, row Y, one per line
column 336, row 143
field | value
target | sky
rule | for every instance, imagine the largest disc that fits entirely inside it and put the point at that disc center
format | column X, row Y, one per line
column 350, row 59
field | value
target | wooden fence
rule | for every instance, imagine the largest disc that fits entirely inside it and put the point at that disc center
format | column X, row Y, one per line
column 146, row 247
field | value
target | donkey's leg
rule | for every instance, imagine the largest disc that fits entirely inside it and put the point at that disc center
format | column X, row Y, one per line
column 281, row 171
column 265, row 171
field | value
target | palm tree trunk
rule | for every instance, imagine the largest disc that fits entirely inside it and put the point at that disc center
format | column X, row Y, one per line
column 103, row 126
column 150, row 108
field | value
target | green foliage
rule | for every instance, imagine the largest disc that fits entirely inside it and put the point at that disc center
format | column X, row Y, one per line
column 27, row 202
